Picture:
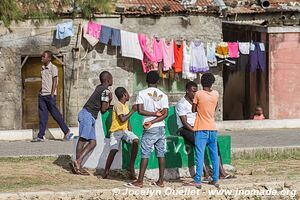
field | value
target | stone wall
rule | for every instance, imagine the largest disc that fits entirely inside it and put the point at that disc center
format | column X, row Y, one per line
column 81, row 74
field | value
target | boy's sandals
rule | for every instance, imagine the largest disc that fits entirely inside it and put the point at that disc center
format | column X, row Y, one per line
column 154, row 184
column 194, row 184
column 132, row 176
column 228, row 176
column 206, row 179
column 131, row 185
column 83, row 172
column 75, row 170
column 104, row 176
column 216, row 184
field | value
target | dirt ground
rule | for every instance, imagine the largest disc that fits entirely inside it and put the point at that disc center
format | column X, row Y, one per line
column 54, row 174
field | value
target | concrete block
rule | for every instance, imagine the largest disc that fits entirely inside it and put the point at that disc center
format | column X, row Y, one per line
column 257, row 124
column 11, row 135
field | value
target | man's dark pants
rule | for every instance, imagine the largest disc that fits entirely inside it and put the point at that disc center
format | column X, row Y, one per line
column 48, row 104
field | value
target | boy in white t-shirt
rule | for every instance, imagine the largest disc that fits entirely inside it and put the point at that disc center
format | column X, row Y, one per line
column 153, row 105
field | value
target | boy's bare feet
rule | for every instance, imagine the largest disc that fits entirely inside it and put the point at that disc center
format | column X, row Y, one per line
column 227, row 176
column 105, row 175
column 132, row 175
column 193, row 183
column 134, row 184
column 157, row 183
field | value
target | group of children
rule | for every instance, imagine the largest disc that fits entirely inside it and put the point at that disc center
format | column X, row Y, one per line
column 153, row 105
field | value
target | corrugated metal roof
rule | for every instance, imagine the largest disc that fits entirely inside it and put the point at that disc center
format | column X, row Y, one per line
column 160, row 6
column 245, row 10
column 284, row 2
column 148, row 6
column 250, row 7
column 204, row 2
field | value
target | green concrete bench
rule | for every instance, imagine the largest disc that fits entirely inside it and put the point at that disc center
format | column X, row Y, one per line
column 179, row 154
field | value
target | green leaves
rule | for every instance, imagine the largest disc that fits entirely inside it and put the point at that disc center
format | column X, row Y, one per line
column 87, row 8
column 20, row 10
column 9, row 11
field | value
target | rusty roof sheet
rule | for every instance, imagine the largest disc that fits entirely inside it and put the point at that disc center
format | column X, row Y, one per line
column 245, row 10
column 146, row 7
column 250, row 7
column 158, row 7
column 204, row 3
column 284, row 2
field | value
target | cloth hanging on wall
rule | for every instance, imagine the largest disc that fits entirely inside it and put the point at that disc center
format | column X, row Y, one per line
column 178, row 57
column 186, row 74
column 113, row 34
column 149, row 60
column 168, row 55
column 211, row 54
column 90, row 39
column 244, row 47
column 130, row 46
column 257, row 56
column 198, row 58
column 64, row 30
column 222, row 50
column 158, row 49
column 94, row 29
column 233, row 49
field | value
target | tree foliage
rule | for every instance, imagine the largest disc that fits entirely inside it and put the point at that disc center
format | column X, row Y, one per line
column 87, row 8
column 9, row 11
column 20, row 10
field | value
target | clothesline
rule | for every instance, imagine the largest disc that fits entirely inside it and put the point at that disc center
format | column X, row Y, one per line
column 162, row 55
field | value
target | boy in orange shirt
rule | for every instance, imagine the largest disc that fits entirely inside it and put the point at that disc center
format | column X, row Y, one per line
column 205, row 104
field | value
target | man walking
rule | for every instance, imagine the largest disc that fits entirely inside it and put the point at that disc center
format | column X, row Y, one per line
column 47, row 99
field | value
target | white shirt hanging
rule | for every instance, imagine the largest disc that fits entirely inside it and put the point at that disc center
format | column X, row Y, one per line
column 198, row 58
column 186, row 74
column 130, row 46
column 211, row 54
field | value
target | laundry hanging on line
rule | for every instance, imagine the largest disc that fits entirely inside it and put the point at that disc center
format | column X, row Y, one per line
column 152, row 51
column 64, row 30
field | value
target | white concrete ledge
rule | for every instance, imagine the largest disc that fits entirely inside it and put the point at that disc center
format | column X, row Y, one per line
column 233, row 125
column 28, row 134
column 268, row 149
column 258, row 124
column 24, row 134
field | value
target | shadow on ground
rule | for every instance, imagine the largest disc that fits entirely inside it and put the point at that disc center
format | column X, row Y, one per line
column 64, row 161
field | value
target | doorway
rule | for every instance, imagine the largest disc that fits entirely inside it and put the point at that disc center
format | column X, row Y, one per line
column 244, row 90
column 31, row 85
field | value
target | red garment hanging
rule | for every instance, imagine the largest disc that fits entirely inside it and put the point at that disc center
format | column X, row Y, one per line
column 178, row 57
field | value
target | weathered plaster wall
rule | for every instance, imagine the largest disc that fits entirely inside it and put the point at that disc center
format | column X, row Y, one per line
column 81, row 77
column 284, row 76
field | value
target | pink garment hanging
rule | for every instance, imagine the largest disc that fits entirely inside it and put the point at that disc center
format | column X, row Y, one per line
column 158, row 49
column 149, row 60
column 94, row 29
column 233, row 48
column 168, row 55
